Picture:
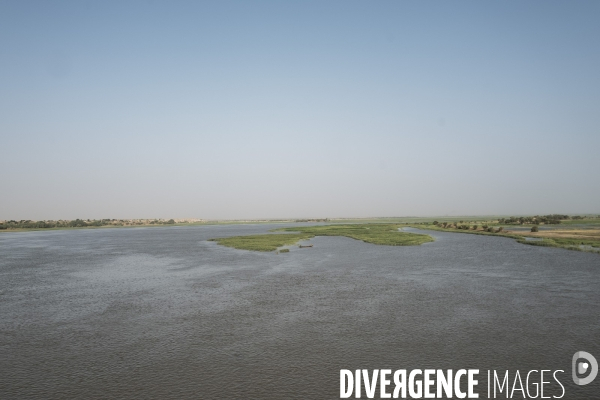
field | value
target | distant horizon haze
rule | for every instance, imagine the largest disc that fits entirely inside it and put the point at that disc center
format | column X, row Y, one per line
column 198, row 219
column 307, row 109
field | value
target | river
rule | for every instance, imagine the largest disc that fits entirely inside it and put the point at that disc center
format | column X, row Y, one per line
column 162, row 313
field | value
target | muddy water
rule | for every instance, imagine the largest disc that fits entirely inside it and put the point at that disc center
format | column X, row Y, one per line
column 162, row 313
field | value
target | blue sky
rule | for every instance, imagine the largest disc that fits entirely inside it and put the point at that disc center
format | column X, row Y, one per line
column 298, row 109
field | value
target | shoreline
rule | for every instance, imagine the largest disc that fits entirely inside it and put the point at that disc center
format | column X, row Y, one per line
column 566, row 243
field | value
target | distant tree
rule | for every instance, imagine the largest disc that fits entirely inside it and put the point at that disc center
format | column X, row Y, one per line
column 171, row 221
column 500, row 229
column 474, row 227
column 76, row 223
column 534, row 228
column 435, row 223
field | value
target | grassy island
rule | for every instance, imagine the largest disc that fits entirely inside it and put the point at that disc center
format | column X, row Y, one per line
column 381, row 234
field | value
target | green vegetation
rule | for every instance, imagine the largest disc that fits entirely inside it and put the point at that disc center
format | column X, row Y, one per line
column 552, row 219
column 381, row 234
column 565, row 243
column 267, row 242
column 570, row 243
column 284, row 250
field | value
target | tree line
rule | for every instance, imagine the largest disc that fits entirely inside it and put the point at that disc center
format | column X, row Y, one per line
column 80, row 223
column 552, row 219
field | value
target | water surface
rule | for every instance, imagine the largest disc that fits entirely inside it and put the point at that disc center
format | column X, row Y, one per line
column 159, row 313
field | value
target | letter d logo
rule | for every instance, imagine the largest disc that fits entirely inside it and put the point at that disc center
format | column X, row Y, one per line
column 583, row 367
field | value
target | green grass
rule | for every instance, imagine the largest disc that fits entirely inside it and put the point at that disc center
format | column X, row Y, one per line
column 381, row 234
column 565, row 243
column 267, row 242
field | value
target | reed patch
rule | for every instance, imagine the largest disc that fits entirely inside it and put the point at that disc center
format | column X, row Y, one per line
column 380, row 234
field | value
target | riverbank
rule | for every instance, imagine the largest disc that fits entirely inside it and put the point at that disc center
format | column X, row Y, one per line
column 136, row 224
column 572, row 233
column 587, row 240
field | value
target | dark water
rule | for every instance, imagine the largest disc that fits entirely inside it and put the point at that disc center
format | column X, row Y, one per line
column 161, row 313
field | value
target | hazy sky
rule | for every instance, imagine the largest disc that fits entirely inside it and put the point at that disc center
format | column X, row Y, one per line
column 298, row 109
